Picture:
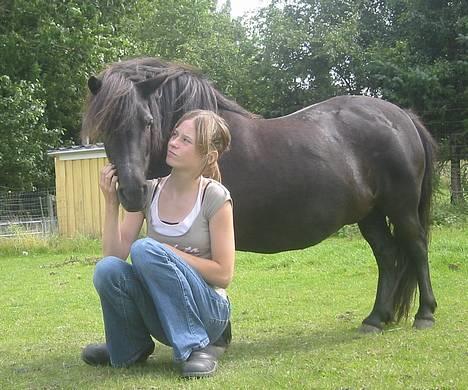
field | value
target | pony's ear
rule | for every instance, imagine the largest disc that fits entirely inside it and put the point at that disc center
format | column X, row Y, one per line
column 94, row 85
column 147, row 87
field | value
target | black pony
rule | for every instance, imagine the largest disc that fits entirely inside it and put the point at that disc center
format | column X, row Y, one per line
column 295, row 180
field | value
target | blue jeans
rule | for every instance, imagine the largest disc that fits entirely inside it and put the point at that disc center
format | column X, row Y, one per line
column 157, row 295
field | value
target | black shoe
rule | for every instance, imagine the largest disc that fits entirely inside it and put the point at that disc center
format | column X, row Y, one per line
column 225, row 338
column 215, row 350
column 98, row 355
column 219, row 346
column 201, row 363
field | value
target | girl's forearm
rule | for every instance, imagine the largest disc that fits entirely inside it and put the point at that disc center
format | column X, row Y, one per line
column 111, row 238
column 210, row 270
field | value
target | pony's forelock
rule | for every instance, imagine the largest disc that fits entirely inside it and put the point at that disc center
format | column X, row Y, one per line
column 112, row 108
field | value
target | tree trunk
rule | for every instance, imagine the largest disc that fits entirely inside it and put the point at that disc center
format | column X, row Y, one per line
column 456, row 189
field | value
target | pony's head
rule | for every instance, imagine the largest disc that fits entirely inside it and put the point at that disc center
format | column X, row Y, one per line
column 120, row 113
column 132, row 107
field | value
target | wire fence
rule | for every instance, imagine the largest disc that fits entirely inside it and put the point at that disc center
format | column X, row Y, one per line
column 457, row 183
column 32, row 213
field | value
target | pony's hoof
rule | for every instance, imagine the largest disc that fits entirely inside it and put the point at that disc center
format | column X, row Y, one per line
column 421, row 323
column 369, row 329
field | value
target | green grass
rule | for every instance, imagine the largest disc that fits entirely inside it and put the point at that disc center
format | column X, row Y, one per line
column 295, row 320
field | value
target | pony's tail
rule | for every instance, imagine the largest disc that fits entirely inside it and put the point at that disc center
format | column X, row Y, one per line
column 405, row 289
column 430, row 149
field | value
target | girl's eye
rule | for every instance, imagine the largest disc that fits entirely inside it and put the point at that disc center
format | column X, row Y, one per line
column 183, row 138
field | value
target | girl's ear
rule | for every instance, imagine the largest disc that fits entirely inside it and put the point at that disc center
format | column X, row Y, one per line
column 212, row 157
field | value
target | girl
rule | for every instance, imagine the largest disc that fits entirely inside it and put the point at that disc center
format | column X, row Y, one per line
column 174, row 288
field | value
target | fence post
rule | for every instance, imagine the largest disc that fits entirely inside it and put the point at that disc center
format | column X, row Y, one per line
column 50, row 208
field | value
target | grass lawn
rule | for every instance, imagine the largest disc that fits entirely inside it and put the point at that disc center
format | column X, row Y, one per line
column 295, row 320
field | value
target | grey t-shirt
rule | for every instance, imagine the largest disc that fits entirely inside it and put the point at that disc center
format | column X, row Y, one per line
column 191, row 235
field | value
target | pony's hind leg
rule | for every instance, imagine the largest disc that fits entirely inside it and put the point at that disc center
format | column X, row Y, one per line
column 413, row 239
column 375, row 229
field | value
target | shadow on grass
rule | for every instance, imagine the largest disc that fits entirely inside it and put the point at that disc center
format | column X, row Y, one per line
column 61, row 370
column 294, row 341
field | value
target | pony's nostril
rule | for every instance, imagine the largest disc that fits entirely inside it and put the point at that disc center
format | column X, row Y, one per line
column 133, row 199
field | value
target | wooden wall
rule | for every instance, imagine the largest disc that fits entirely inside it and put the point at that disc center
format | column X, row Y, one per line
column 80, row 203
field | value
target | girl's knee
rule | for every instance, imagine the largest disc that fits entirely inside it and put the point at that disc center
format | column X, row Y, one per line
column 146, row 251
column 107, row 271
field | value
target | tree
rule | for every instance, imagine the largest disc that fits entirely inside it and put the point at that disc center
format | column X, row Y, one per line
column 312, row 50
column 292, row 69
column 55, row 46
column 51, row 47
column 411, row 52
column 425, row 67
column 198, row 34
column 24, row 163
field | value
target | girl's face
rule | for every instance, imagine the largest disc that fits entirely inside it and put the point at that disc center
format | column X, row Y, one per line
column 182, row 151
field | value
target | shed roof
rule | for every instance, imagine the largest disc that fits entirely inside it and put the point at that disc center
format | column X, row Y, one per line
column 78, row 152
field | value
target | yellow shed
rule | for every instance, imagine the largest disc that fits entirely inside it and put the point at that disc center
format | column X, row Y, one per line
column 80, row 203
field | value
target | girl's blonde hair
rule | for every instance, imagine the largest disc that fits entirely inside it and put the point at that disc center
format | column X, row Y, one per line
column 212, row 134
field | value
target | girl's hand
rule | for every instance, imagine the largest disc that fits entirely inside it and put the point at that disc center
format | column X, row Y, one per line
column 108, row 184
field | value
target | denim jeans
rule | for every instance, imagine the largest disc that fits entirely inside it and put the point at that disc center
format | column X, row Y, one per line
column 157, row 295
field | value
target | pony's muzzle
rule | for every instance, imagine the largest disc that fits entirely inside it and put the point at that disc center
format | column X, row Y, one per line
column 133, row 198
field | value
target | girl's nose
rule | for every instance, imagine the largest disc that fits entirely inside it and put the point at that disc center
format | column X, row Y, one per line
column 173, row 141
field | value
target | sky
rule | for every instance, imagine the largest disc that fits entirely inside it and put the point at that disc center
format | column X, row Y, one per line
column 240, row 7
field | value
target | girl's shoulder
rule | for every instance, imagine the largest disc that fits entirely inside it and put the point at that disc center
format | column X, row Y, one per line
column 214, row 189
column 214, row 196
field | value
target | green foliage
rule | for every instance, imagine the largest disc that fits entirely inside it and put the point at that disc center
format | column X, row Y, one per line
column 292, row 68
column 24, row 135
column 450, row 215
column 48, row 50
column 288, row 55
column 425, row 65
column 444, row 213
column 198, row 34
column 413, row 53
column 59, row 43
column 63, row 43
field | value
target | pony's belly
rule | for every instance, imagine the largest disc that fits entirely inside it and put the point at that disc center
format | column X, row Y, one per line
column 268, row 236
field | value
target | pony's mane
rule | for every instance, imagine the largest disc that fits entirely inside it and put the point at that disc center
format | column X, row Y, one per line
column 182, row 89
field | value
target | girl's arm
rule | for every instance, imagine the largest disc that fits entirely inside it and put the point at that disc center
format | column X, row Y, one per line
column 117, row 237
